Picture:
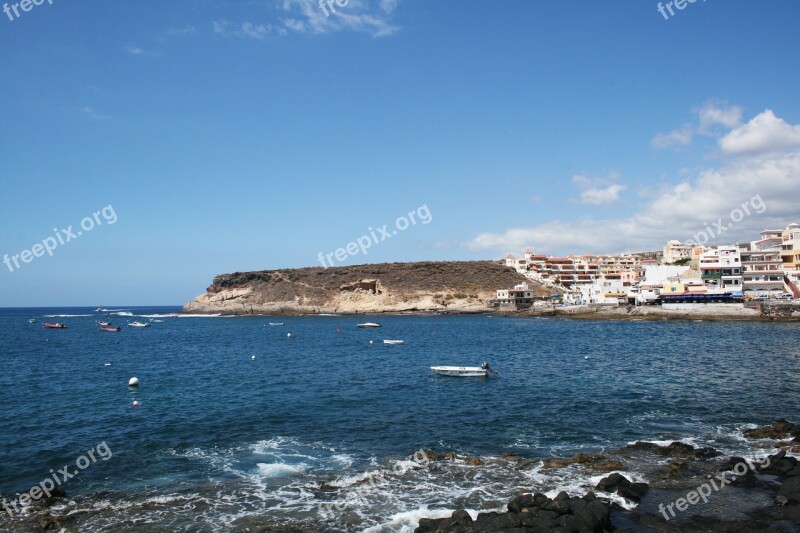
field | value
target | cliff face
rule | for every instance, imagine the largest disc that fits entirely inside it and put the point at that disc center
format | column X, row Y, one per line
column 459, row 287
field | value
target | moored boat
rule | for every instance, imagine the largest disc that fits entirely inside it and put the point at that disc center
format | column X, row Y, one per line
column 102, row 323
column 393, row 341
column 368, row 325
column 56, row 325
column 276, row 323
column 138, row 324
column 31, row 321
column 109, row 327
column 464, row 371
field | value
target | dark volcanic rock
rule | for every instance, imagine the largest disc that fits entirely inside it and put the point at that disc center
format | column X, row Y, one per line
column 780, row 429
column 678, row 450
column 530, row 513
column 790, row 490
column 623, row 486
column 598, row 463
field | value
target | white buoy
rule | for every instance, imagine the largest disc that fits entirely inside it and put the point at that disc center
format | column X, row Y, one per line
column 133, row 382
column 253, row 357
column 370, row 342
column 288, row 335
column 108, row 364
column 135, row 403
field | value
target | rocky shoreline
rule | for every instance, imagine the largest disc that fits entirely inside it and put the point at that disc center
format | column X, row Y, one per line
column 689, row 489
column 719, row 312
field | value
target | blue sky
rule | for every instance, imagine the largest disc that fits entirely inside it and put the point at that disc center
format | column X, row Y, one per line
column 234, row 136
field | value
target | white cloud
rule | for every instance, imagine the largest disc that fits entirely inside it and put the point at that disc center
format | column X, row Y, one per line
column 688, row 207
column 602, row 196
column 764, row 133
column 598, row 191
column 710, row 116
column 244, row 29
column 680, row 137
column 369, row 16
column 715, row 113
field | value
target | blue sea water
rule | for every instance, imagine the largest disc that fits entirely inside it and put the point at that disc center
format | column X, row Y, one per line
column 317, row 430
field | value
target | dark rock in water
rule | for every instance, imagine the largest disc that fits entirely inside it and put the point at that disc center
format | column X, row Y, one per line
column 49, row 523
column 790, row 490
column 748, row 478
column 617, row 483
column 598, row 463
column 781, row 465
column 530, row 513
column 679, row 450
column 430, row 455
column 780, row 429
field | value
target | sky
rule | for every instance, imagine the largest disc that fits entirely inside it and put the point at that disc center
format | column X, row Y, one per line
column 147, row 146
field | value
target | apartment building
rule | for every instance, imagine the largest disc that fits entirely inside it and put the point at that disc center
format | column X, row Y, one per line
column 721, row 268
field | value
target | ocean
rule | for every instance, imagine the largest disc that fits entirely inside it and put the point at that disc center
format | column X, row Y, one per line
column 240, row 425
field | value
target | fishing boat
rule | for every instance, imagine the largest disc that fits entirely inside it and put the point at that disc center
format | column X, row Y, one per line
column 393, row 341
column 138, row 325
column 108, row 327
column 368, row 325
column 464, row 371
column 101, row 323
column 276, row 323
column 56, row 325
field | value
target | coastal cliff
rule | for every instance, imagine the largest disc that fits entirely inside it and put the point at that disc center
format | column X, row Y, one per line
column 451, row 287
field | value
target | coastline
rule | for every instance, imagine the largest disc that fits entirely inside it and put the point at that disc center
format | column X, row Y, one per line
column 722, row 313
column 642, row 486
column 753, row 493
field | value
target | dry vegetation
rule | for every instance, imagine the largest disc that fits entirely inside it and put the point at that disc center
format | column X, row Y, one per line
column 462, row 279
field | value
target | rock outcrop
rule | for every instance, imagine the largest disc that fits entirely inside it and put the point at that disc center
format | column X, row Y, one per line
column 530, row 513
column 438, row 287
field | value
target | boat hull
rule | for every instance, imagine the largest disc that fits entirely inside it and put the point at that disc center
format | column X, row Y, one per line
column 461, row 371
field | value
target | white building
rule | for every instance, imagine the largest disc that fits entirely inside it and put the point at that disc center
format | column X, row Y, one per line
column 675, row 251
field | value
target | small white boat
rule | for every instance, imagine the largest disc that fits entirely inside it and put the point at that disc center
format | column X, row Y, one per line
column 276, row 323
column 138, row 325
column 156, row 321
column 393, row 341
column 31, row 321
column 368, row 325
column 464, row 371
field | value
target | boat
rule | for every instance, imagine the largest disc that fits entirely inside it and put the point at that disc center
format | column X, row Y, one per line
column 138, row 325
column 276, row 323
column 56, row 325
column 101, row 323
column 393, row 341
column 156, row 321
column 98, row 310
column 464, row 371
column 368, row 325
column 31, row 321
column 108, row 327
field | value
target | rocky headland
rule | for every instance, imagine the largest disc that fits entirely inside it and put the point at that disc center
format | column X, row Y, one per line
column 423, row 287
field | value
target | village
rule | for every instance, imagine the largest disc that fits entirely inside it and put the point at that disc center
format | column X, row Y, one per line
column 767, row 269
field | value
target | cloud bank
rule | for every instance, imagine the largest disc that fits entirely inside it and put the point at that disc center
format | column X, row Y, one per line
column 759, row 158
